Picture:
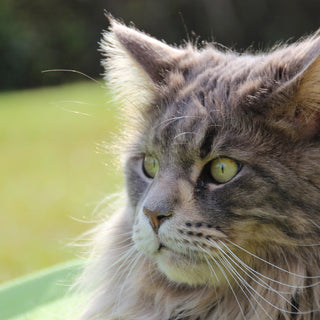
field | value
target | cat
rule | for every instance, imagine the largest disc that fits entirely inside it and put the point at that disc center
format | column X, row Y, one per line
column 222, row 212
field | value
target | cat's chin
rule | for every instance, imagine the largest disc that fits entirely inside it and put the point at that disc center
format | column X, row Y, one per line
column 183, row 269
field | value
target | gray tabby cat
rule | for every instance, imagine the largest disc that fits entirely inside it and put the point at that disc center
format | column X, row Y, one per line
column 222, row 217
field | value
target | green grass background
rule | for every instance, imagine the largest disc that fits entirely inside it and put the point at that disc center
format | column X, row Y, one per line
column 53, row 171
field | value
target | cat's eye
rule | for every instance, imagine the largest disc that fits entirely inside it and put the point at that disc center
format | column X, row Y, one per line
column 223, row 169
column 150, row 166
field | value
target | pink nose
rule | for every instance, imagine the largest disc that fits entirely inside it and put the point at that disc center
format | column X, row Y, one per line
column 155, row 217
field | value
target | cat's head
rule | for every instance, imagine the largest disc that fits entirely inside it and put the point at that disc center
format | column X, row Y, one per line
column 226, row 156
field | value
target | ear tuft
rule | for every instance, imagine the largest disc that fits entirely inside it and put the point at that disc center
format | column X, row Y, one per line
column 124, row 76
column 135, row 63
column 296, row 101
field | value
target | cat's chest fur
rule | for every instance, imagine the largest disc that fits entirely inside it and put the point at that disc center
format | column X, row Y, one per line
column 222, row 169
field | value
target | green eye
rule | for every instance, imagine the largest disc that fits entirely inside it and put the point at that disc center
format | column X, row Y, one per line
column 150, row 166
column 223, row 169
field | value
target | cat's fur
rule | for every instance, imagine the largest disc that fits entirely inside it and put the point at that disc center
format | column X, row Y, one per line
column 246, row 249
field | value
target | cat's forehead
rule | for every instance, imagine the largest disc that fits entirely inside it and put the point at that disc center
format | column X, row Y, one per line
column 181, row 128
column 200, row 105
column 216, row 76
column 182, row 91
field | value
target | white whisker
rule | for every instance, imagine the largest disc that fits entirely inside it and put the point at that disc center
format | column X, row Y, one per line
column 258, row 274
column 266, row 286
column 77, row 72
column 214, row 274
column 132, row 264
column 278, row 308
column 167, row 122
column 226, row 277
column 242, row 281
column 273, row 265
column 121, row 262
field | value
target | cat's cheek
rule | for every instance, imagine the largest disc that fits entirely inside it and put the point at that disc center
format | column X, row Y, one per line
column 144, row 237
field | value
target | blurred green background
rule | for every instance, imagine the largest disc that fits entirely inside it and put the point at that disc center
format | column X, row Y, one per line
column 54, row 168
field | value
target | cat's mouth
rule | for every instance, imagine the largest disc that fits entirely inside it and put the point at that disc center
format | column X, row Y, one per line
column 165, row 251
column 161, row 246
column 182, row 267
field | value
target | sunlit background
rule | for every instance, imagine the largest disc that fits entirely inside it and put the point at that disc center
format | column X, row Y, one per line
column 54, row 168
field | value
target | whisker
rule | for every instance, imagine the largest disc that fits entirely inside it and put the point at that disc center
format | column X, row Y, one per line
column 131, row 266
column 268, row 287
column 273, row 265
column 73, row 71
column 243, row 281
column 122, row 260
column 214, row 274
column 110, row 199
column 226, row 277
column 278, row 308
column 241, row 288
column 184, row 133
column 256, row 273
column 167, row 122
column 315, row 224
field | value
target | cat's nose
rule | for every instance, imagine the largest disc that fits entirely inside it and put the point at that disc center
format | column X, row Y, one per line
column 156, row 217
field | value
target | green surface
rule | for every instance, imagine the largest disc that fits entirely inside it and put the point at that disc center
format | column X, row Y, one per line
column 43, row 295
column 54, row 170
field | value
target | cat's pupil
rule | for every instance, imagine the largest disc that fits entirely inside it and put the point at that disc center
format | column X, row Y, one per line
column 223, row 169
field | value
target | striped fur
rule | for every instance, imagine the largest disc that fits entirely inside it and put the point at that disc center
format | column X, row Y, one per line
column 245, row 249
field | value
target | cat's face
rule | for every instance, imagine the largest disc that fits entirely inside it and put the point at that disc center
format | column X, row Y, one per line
column 182, row 204
column 226, row 160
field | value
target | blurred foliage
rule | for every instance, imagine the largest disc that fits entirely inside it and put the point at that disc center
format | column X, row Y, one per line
column 38, row 35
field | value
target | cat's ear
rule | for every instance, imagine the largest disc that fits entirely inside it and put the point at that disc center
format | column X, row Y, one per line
column 299, row 97
column 135, row 63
